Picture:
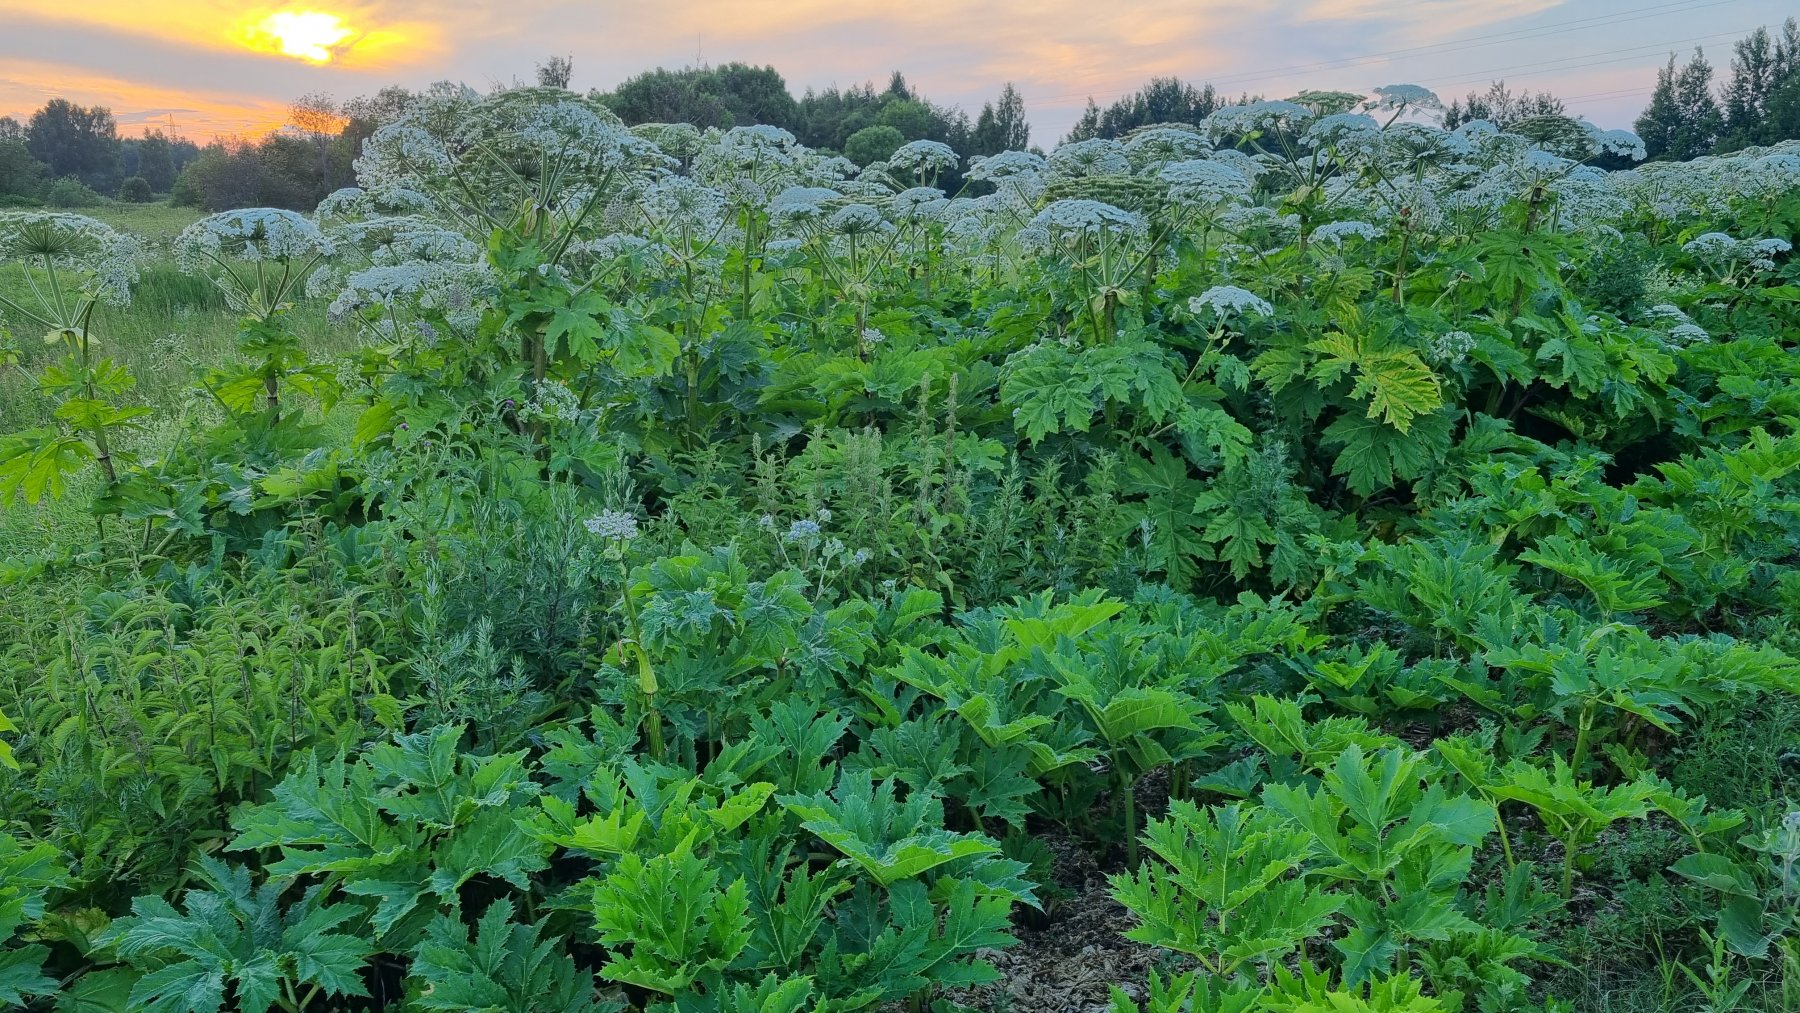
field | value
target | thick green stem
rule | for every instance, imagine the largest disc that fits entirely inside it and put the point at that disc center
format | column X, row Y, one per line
column 1585, row 723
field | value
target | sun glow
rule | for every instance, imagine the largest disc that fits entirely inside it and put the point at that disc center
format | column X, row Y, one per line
column 307, row 35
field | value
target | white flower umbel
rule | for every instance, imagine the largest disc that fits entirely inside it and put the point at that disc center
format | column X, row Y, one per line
column 1154, row 147
column 1334, row 233
column 1230, row 300
column 1089, row 217
column 1205, row 182
column 925, row 160
column 1096, row 156
column 1406, row 96
column 257, row 256
column 67, row 260
column 613, row 524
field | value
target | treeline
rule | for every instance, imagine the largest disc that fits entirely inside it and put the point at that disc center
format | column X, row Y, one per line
column 72, row 156
column 1690, row 116
column 860, row 122
column 67, row 155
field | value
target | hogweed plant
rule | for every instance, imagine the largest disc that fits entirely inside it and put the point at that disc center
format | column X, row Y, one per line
column 71, row 265
column 261, row 258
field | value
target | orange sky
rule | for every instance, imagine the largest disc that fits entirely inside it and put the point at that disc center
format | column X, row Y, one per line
column 214, row 68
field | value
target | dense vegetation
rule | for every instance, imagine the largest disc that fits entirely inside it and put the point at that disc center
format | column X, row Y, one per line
column 1353, row 562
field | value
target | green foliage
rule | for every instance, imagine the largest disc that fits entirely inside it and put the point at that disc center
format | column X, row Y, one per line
column 238, row 939
column 504, row 967
column 1233, row 891
column 672, row 575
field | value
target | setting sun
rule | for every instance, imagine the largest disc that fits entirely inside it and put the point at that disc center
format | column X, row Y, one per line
column 307, row 35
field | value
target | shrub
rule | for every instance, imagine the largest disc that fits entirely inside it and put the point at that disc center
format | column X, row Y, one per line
column 136, row 190
column 70, row 192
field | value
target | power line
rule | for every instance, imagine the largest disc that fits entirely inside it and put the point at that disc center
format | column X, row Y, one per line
column 1448, row 46
column 1589, row 59
column 1484, row 41
column 1600, row 95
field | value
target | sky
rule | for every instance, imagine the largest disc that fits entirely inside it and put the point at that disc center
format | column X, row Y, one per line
column 214, row 69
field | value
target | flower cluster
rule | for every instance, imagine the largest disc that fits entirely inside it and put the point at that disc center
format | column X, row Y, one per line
column 1450, row 348
column 106, row 258
column 1204, row 181
column 1088, row 217
column 1229, row 300
column 251, row 235
column 1096, row 156
column 924, row 159
column 613, row 524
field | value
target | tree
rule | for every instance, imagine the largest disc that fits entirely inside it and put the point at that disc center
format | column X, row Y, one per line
column 318, row 120
column 555, row 72
column 225, row 176
column 914, row 119
column 1163, row 100
column 829, row 118
column 11, row 129
column 79, row 141
column 156, row 160
column 1001, row 126
column 21, row 175
column 1784, row 109
column 278, row 171
column 1682, row 120
column 1761, row 66
column 873, row 144
column 731, row 95
column 1499, row 106
column 366, row 114
column 897, row 88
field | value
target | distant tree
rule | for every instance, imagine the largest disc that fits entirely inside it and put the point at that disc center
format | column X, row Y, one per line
column 278, row 171
column 1499, row 106
column 914, row 119
column 1784, row 110
column 1001, row 126
column 1163, row 100
column 1762, row 65
column 78, row 141
column 156, row 160
column 873, row 144
column 555, row 72
column 11, row 129
column 829, row 117
column 318, row 120
column 1088, row 125
column 224, row 176
column 290, row 176
column 22, row 176
column 379, row 109
column 1683, row 119
column 731, row 95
